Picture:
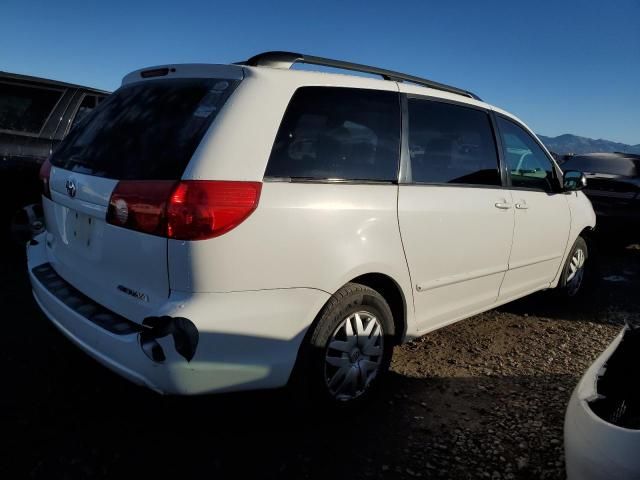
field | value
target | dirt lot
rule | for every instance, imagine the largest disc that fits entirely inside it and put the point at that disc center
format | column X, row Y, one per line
column 484, row 398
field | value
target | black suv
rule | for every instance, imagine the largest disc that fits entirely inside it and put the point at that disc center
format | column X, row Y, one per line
column 613, row 186
column 35, row 114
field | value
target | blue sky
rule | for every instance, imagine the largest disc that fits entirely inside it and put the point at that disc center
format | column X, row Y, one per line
column 563, row 67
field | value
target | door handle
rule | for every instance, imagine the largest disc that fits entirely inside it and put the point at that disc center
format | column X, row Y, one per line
column 522, row 206
column 503, row 205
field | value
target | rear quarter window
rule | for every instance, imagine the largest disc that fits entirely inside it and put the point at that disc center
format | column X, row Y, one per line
column 338, row 133
column 144, row 131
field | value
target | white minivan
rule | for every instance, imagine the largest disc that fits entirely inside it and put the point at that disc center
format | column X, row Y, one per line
column 218, row 228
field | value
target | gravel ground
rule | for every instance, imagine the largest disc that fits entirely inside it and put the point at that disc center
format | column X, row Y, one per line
column 484, row 398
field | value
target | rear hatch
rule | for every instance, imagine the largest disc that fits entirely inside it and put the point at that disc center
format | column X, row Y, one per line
column 142, row 136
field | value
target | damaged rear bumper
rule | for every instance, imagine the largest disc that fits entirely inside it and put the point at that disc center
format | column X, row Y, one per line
column 195, row 343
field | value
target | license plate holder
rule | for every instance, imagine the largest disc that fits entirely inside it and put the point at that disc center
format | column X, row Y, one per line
column 80, row 229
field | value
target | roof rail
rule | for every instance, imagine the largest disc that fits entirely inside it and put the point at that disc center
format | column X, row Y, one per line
column 287, row 59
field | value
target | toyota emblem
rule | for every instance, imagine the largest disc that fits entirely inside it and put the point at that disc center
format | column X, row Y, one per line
column 70, row 185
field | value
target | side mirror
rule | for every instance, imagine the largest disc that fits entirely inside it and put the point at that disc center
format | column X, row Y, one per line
column 573, row 180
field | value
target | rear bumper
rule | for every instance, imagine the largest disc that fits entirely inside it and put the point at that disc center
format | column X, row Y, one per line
column 247, row 340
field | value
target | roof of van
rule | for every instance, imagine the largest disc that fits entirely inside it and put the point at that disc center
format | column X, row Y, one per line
column 345, row 79
column 240, row 71
column 286, row 60
column 280, row 63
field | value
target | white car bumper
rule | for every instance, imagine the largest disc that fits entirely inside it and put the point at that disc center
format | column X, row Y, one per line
column 246, row 340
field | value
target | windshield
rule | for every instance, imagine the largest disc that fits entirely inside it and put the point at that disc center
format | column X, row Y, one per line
column 144, row 131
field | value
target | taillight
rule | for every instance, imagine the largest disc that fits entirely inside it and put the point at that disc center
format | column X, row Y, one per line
column 186, row 210
column 45, row 174
column 140, row 205
column 205, row 209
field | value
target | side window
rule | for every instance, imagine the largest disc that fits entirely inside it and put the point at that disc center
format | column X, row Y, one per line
column 89, row 102
column 25, row 109
column 528, row 165
column 451, row 144
column 338, row 133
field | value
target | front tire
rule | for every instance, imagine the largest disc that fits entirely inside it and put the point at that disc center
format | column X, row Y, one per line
column 576, row 271
column 349, row 348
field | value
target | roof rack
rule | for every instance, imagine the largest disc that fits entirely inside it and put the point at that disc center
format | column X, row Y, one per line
column 287, row 59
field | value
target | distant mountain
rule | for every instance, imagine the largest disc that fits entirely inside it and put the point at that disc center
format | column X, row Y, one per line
column 568, row 143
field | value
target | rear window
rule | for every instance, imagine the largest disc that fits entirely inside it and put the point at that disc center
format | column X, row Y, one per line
column 338, row 133
column 613, row 166
column 26, row 109
column 144, row 131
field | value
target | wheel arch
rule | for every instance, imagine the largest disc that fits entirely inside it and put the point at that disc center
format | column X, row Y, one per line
column 388, row 288
column 583, row 223
column 392, row 293
column 588, row 234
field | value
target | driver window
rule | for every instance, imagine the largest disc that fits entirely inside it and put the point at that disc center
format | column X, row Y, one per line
column 528, row 165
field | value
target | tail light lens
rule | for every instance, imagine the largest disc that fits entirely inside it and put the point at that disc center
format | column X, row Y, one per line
column 140, row 205
column 186, row 210
column 45, row 173
column 206, row 209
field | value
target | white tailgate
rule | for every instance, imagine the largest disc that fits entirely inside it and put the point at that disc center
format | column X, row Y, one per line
column 123, row 270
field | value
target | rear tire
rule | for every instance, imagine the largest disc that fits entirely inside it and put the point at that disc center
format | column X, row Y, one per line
column 348, row 350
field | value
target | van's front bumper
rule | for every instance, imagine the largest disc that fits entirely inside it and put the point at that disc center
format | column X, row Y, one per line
column 246, row 340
